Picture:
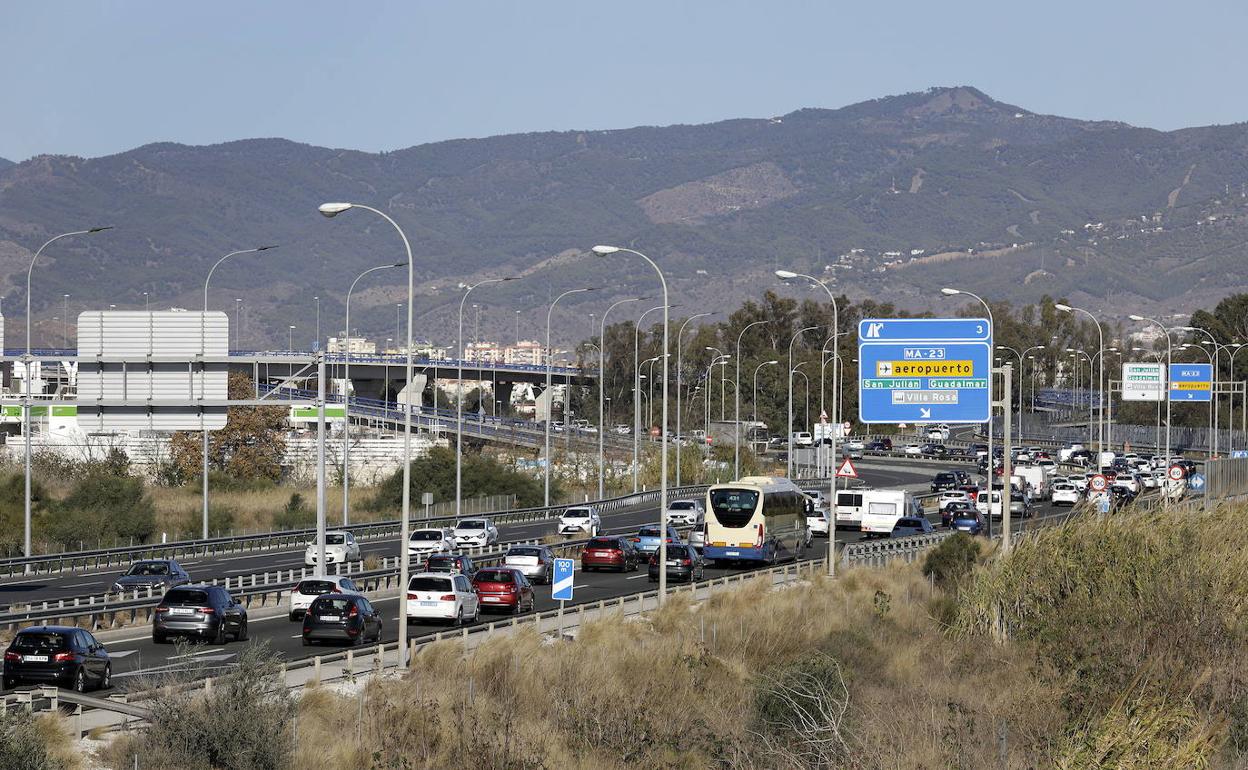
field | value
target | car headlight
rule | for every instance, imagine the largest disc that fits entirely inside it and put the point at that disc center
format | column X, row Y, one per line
column 118, row 588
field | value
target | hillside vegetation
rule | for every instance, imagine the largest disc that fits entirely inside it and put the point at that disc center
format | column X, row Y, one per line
column 1117, row 644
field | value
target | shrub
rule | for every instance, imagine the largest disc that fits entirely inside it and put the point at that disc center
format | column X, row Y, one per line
column 295, row 514
column 482, row 476
column 951, row 561
column 103, row 507
column 28, row 742
column 801, row 713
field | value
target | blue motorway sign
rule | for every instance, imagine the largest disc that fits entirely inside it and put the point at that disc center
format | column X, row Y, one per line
column 923, row 369
column 1237, row 454
column 561, row 583
column 1196, row 481
column 1191, row 382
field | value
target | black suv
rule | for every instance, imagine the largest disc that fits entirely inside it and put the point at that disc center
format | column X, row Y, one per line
column 60, row 655
column 201, row 611
column 346, row 618
column 451, row 563
column 945, row 480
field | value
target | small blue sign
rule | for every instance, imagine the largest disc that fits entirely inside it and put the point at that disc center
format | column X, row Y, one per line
column 924, row 329
column 1238, row 454
column 561, row 584
column 1196, row 481
column 1191, row 382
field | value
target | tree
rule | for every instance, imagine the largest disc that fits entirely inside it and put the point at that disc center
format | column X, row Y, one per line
column 250, row 446
column 482, row 476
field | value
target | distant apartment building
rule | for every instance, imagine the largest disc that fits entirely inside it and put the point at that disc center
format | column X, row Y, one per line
column 428, row 350
column 483, row 352
column 524, row 353
column 354, row 345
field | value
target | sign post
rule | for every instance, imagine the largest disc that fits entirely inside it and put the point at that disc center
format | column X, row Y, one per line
column 561, row 586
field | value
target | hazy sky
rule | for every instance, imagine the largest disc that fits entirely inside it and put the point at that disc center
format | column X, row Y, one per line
column 97, row 77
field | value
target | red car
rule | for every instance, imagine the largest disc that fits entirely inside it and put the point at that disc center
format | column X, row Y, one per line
column 504, row 588
column 617, row 553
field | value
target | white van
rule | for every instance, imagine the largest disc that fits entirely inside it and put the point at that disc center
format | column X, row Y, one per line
column 849, row 508
column 881, row 508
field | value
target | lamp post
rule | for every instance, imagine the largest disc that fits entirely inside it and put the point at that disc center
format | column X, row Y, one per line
column 330, row 210
column 317, row 345
column 602, row 384
column 203, row 351
column 1157, row 358
column 649, row 377
column 459, row 401
column 1169, row 361
column 1020, row 377
column 722, row 375
column 1238, row 346
column 603, row 251
column 991, row 463
column 1076, row 352
column 754, row 399
column 786, row 275
column 706, row 389
column 789, row 377
column 346, row 397
column 836, row 391
column 26, row 426
column 550, row 400
column 798, row 370
column 679, row 377
column 736, row 407
column 637, row 389
column 238, row 305
column 1100, row 379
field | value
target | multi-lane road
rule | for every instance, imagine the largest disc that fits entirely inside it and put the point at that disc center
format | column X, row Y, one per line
column 134, row 654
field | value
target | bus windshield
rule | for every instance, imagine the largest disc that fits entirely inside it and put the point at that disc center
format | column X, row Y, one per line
column 733, row 507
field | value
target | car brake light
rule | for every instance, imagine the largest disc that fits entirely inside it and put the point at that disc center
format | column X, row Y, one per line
column 354, row 611
column 63, row 657
column 412, row 596
column 760, row 536
column 205, row 610
column 687, row 562
column 447, row 598
column 669, row 540
column 13, row 656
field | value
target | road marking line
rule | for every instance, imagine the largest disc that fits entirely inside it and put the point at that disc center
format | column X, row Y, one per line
column 636, row 577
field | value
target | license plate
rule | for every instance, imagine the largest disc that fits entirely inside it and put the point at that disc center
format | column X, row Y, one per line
column 491, row 599
column 732, row 553
column 181, row 611
column 329, row 617
column 428, row 604
column 673, row 564
column 34, row 658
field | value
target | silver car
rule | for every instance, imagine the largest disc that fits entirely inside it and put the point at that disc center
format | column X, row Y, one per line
column 536, row 562
column 697, row 535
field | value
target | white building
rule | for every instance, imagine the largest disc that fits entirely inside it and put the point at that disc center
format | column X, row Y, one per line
column 489, row 352
column 360, row 345
column 524, row 353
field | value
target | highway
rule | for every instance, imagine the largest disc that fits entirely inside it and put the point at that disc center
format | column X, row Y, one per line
column 64, row 586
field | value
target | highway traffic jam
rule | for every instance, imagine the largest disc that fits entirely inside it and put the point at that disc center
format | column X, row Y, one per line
column 477, row 570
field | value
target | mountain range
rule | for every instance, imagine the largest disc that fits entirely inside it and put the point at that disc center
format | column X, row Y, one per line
column 889, row 199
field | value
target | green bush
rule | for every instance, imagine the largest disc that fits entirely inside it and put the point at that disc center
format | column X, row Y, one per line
column 295, row 515
column 100, row 508
column 951, row 561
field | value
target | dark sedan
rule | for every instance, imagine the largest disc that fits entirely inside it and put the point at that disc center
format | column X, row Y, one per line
column 683, row 563
column 970, row 522
column 955, row 509
column 59, row 655
column 452, row 563
column 346, row 618
column 157, row 574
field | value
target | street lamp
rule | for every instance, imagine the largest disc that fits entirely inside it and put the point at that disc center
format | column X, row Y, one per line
column 1076, row 352
column 602, row 384
column 723, row 373
column 948, row 292
column 679, row 376
column 1213, row 401
column 798, row 370
column 736, row 407
column 637, row 390
column 459, row 401
column 290, row 337
column 26, row 427
column 649, row 378
column 1100, row 378
column 330, row 210
column 550, row 401
column 346, row 396
column 1021, row 356
column 317, row 345
column 754, row 400
column 792, row 340
column 604, row 251
column 203, row 351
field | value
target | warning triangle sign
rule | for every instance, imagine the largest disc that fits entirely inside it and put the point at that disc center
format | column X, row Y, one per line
column 846, row 471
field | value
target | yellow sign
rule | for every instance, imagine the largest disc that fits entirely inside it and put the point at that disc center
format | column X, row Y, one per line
column 924, row 368
column 1191, row 386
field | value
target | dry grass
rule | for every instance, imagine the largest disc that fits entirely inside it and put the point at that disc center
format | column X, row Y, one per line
column 679, row 689
column 178, row 508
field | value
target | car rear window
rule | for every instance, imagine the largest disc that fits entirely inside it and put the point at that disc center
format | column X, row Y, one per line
column 331, row 604
column 440, row 563
column 40, row 641
column 648, row 532
column 599, row 543
column 521, row 551
column 677, row 552
column 496, row 576
column 314, row 587
column 421, row 583
column 183, row 596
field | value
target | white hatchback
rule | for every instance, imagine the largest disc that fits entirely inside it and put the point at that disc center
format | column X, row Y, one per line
column 1065, row 494
column 952, row 495
column 475, row 533
column 306, row 590
column 339, row 547
column 426, row 542
column 581, row 519
column 913, row 449
column 440, row 596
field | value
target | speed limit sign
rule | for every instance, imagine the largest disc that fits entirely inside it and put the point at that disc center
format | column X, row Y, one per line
column 1176, row 473
column 1098, row 483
